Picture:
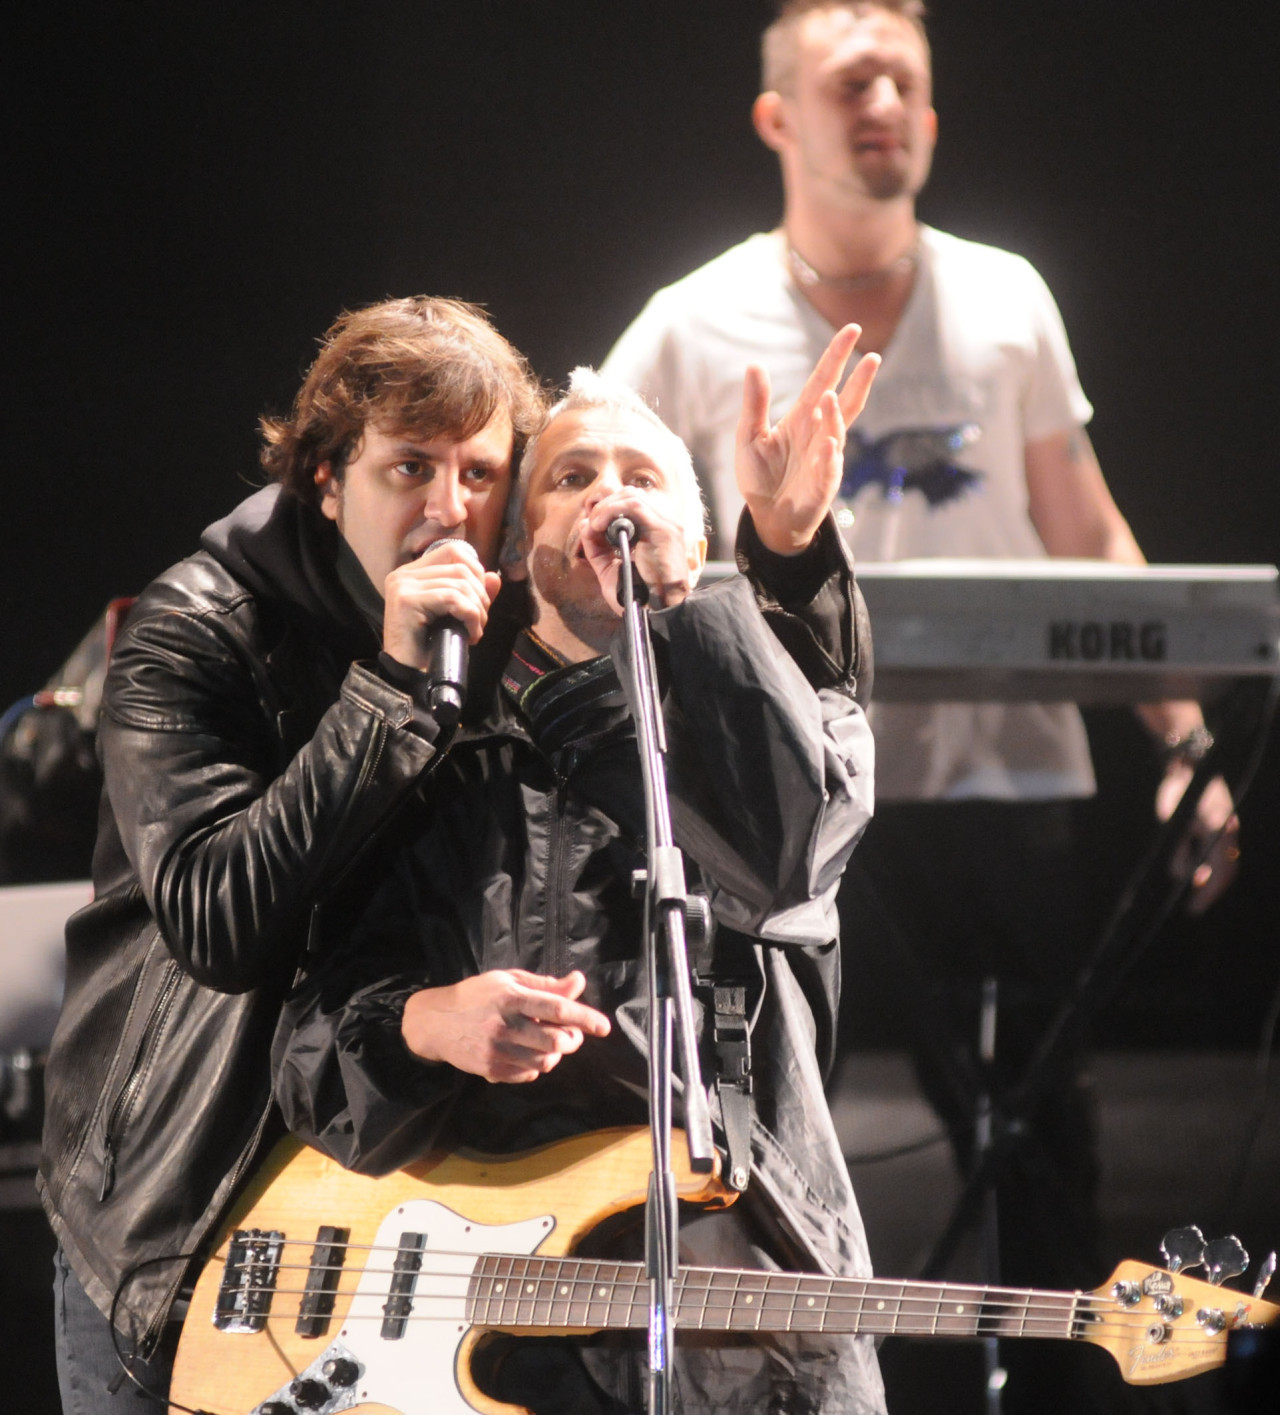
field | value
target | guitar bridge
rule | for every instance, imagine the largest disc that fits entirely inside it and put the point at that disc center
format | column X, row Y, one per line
column 248, row 1280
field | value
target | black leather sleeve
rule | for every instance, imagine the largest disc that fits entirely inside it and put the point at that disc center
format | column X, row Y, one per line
column 812, row 603
column 233, row 829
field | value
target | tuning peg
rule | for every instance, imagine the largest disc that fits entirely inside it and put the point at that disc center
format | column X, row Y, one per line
column 1265, row 1273
column 1224, row 1258
column 1182, row 1248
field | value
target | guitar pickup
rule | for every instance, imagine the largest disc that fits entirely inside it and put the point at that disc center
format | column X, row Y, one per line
column 248, row 1280
column 327, row 1258
column 404, row 1278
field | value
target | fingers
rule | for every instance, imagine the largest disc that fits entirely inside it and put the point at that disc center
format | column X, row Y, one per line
column 1216, row 871
column 509, row 1026
column 546, row 1003
column 447, row 580
column 826, row 456
column 661, row 550
column 753, row 422
column 571, row 984
column 543, row 1024
column 1208, row 855
column 853, row 396
column 649, row 516
column 830, row 366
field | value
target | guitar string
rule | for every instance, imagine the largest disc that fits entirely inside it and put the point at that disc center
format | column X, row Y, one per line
column 875, row 1287
column 1027, row 1307
column 1062, row 1305
column 845, row 1306
column 832, row 1288
column 877, row 1324
column 1027, row 1321
column 974, row 1288
column 812, row 1285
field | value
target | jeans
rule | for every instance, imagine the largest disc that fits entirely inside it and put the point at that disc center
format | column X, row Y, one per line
column 90, row 1376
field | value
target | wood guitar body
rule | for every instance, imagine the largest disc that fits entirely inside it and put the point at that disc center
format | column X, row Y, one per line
column 544, row 1201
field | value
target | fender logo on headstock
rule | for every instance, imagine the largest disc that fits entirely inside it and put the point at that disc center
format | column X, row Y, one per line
column 1145, row 1357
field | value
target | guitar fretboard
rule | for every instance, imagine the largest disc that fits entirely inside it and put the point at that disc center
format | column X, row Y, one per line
column 508, row 1291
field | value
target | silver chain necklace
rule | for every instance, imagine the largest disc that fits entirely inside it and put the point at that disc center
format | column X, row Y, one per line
column 806, row 275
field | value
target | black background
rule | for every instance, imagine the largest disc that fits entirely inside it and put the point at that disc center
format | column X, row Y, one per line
column 198, row 189
column 202, row 188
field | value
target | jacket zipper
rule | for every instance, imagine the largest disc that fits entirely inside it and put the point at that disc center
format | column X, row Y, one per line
column 555, row 961
column 122, row 1109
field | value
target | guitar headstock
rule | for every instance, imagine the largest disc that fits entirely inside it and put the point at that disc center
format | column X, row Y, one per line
column 1160, row 1324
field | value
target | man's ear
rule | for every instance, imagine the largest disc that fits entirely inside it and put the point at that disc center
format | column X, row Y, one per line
column 330, row 491
column 771, row 120
column 697, row 559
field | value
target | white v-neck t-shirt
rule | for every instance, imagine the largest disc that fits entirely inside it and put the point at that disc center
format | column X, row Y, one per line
column 978, row 366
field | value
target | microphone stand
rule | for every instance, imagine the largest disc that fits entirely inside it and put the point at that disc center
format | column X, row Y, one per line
column 670, row 995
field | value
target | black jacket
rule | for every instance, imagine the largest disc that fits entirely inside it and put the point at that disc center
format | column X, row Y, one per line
column 249, row 749
column 519, row 853
column 253, row 748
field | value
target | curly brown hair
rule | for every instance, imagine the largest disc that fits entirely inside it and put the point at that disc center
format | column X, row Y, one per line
column 428, row 367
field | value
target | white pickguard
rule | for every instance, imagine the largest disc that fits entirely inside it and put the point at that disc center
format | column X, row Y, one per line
column 416, row 1373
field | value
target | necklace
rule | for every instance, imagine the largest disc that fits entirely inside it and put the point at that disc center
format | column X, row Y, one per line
column 809, row 277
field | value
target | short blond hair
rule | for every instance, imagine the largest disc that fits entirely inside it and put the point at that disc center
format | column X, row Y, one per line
column 778, row 46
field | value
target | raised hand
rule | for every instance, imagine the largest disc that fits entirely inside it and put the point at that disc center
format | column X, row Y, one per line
column 789, row 473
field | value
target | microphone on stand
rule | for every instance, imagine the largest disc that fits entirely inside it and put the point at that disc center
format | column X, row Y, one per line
column 620, row 528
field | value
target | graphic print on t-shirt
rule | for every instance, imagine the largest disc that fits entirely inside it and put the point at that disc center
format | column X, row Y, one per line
column 922, row 459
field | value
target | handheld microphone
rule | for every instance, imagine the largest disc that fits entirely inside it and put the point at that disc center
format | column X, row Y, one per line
column 447, row 651
column 620, row 526
column 447, row 676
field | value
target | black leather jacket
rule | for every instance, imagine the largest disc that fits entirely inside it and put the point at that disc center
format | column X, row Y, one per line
column 249, row 751
column 253, row 748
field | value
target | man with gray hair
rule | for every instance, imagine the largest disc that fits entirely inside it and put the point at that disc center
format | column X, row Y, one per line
column 496, row 998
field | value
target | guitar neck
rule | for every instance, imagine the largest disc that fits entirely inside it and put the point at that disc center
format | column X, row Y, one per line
column 511, row 1292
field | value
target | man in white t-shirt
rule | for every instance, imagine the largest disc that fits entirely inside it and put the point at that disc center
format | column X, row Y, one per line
column 973, row 441
column 972, row 444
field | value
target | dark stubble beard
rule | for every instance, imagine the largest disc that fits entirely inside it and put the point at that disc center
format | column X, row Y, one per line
column 587, row 616
column 898, row 179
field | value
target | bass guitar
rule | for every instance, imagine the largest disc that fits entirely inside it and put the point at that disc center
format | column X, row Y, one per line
column 330, row 1291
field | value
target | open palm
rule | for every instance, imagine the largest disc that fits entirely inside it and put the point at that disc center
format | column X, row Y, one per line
column 789, row 473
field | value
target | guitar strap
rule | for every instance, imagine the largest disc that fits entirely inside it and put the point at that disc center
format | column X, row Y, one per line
column 732, row 1037
column 726, row 975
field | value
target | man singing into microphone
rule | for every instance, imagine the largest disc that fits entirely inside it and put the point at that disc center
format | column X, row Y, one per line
column 492, row 995
column 264, row 721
